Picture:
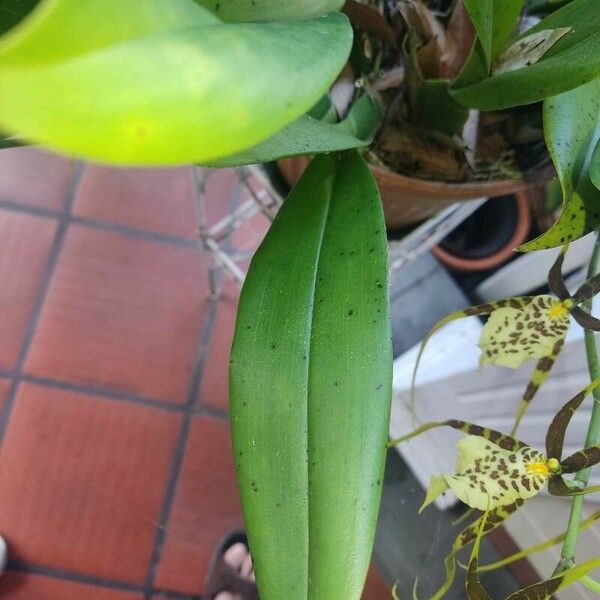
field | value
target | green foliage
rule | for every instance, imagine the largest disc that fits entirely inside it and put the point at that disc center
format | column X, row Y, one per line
column 571, row 62
column 494, row 21
column 270, row 10
column 310, row 385
column 572, row 130
column 183, row 86
column 12, row 13
column 311, row 136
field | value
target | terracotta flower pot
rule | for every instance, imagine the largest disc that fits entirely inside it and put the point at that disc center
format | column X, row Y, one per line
column 487, row 239
column 408, row 200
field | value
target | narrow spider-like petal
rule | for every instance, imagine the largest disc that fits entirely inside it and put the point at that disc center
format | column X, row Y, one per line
column 557, row 486
column 468, row 535
column 582, row 459
column 587, row 289
column 500, row 439
column 586, row 320
column 555, row 437
column 556, row 282
column 545, row 589
column 539, row 375
column 475, row 591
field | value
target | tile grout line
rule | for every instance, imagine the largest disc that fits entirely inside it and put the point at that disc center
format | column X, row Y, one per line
column 40, row 299
column 206, row 334
column 22, row 566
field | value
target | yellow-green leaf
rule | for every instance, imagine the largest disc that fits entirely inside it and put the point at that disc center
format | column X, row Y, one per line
column 572, row 132
column 160, row 82
column 270, row 10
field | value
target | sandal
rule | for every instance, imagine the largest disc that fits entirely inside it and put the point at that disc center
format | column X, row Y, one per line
column 224, row 578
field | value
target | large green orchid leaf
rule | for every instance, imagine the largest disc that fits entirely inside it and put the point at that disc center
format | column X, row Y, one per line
column 270, row 10
column 494, row 21
column 572, row 130
column 576, row 56
column 311, row 136
column 310, row 383
column 155, row 82
column 13, row 12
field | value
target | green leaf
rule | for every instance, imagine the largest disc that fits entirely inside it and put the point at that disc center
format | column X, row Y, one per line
column 13, row 12
column 437, row 110
column 158, row 82
column 571, row 62
column 310, row 136
column 595, row 166
column 494, row 21
column 310, row 385
column 270, row 10
column 572, row 130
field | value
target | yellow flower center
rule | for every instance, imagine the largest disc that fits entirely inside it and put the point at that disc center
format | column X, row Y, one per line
column 560, row 310
column 539, row 468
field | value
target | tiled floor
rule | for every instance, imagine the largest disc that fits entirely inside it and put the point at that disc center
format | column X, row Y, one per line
column 116, row 479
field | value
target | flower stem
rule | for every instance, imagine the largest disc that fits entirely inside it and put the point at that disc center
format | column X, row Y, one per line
column 570, row 544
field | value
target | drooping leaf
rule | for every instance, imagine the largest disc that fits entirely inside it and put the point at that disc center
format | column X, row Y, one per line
column 528, row 50
column 270, row 10
column 311, row 136
column 13, row 12
column 158, row 82
column 310, row 385
column 572, row 131
column 576, row 56
column 494, row 20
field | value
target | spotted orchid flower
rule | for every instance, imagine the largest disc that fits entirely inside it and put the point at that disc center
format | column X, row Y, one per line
column 526, row 327
column 498, row 473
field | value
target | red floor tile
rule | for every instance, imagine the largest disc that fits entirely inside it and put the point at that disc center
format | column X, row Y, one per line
column 206, row 507
column 376, row 588
column 34, row 177
column 214, row 388
column 4, row 387
column 26, row 244
column 21, row 586
column 82, row 481
column 122, row 313
column 159, row 200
